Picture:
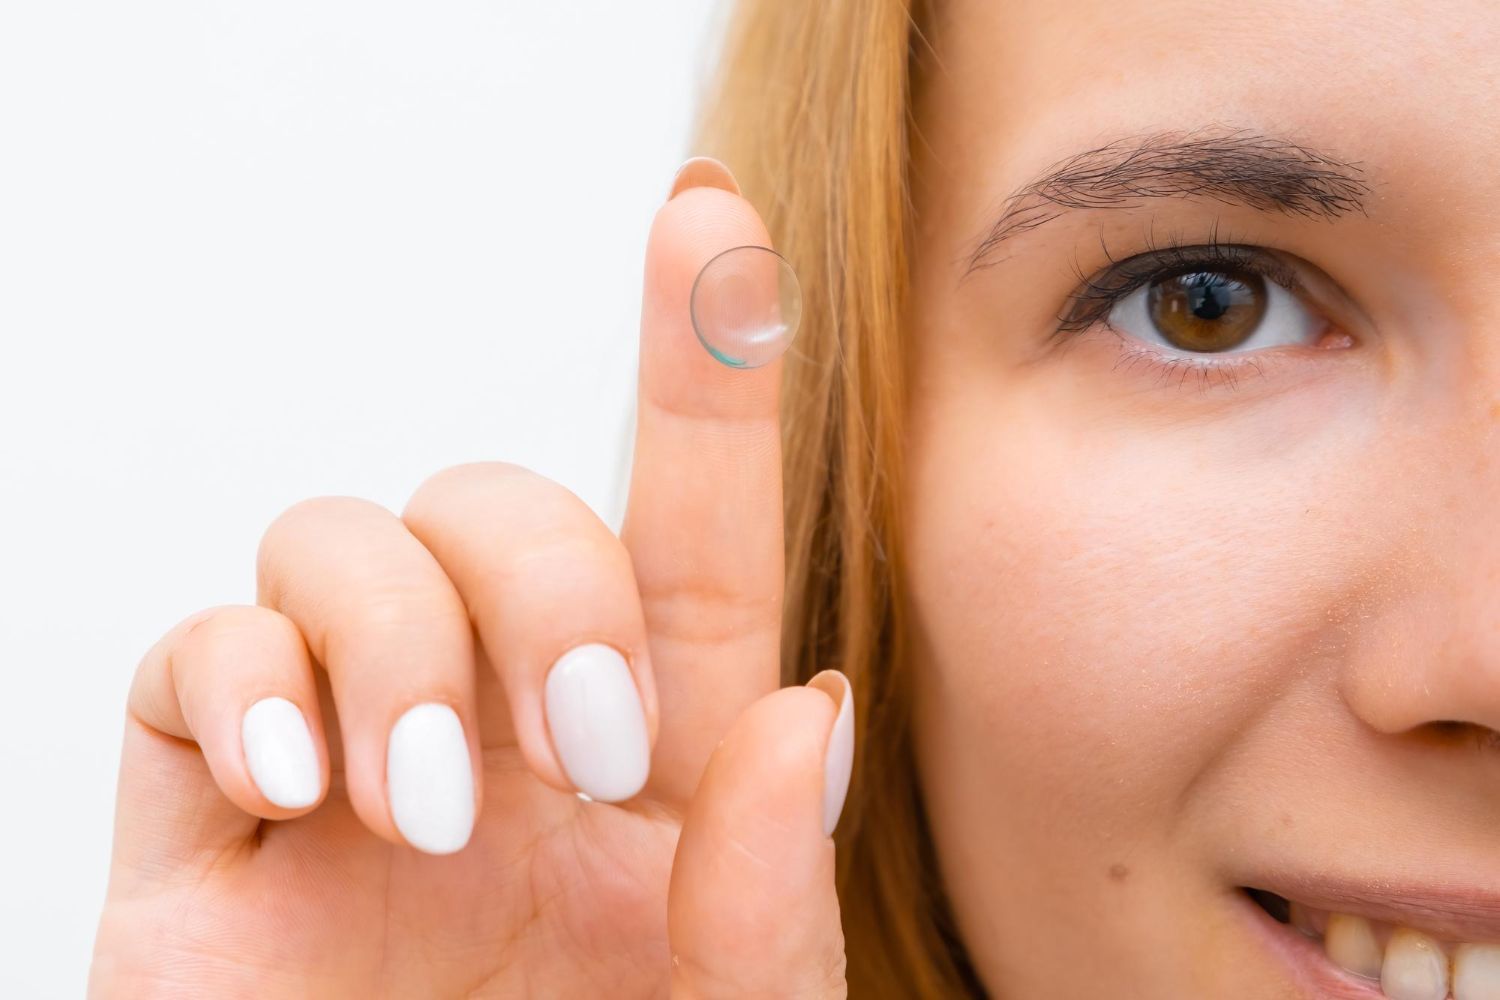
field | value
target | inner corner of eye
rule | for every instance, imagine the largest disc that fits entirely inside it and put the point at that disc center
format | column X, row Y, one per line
column 1332, row 337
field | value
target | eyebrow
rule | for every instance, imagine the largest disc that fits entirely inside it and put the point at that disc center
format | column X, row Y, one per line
column 1238, row 166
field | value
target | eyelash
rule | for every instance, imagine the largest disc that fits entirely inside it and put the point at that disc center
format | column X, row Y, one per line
column 1098, row 293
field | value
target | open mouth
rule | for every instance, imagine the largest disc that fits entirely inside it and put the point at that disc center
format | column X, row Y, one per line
column 1399, row 962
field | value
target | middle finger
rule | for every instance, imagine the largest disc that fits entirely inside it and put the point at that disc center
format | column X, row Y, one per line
column 553, row 597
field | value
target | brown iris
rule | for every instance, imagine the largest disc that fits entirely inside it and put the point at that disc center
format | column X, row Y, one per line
column 1207, row 310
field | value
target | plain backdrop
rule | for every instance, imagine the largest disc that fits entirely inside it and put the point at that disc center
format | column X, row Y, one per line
column 256, row 252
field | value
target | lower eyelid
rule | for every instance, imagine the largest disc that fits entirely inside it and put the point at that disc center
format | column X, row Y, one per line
column 1206, row 371
column 1184, row 370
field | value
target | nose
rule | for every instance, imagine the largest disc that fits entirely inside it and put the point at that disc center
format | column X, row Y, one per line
column 1430, row 662
column 1425, row 651
column 1426, row 656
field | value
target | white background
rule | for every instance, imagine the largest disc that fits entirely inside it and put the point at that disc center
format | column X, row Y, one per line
column 254, row 252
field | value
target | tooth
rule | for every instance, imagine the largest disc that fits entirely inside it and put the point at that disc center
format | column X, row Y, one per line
column 1415, row 967
column 1350, row 942
column 1476, row 972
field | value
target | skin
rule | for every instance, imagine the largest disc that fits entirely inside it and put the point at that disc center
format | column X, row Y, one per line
column 487, row 576
column 1166, row 636
column 1170, row 637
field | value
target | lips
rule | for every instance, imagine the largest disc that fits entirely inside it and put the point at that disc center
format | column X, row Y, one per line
column 1390, row 958
column 1458, row 911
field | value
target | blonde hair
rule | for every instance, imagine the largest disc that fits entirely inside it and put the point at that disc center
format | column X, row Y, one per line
column 810, row 108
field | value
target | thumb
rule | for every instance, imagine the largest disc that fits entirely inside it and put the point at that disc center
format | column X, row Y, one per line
column 752, row 909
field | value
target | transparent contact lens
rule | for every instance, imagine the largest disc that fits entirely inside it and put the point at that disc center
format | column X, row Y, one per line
column 746, row 305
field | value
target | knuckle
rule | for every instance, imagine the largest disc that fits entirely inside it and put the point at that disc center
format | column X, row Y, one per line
column 460, row 485
column 749, row 974
column 514, row 521
column 183, row 628
column 304, row 518
column 543, row 582
column 702, row 612
column 317, row 510
column 202, row 654
column 568, row 555
column 222, row 636
column 378, row 618
column 458, row 479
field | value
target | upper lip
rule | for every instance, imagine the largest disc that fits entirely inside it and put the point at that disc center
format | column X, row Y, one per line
column 1455, row 911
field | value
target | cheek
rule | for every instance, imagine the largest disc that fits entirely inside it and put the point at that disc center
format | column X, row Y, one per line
column 1100, row 609
column 1106, row 616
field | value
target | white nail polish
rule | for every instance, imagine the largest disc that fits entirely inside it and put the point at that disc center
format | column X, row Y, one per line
column 838, row 759
column 280, row 754
column 597, row 724
column 429, row 779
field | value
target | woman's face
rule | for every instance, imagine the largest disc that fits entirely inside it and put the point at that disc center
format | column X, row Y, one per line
column 1205, row 587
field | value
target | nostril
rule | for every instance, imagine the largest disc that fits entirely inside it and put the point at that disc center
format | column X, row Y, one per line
column 1481, row 738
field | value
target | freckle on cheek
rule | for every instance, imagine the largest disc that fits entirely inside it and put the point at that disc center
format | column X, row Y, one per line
column 1118, row 872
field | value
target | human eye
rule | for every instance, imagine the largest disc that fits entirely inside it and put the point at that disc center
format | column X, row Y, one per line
column 1210, row 312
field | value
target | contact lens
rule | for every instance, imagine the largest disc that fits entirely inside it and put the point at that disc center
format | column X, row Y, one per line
column 746, row 305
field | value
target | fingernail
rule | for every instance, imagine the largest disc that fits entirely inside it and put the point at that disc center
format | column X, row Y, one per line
column 838, row 759
column 430, row 780
column 598, row 726
column 703, row 171
column 280, row 754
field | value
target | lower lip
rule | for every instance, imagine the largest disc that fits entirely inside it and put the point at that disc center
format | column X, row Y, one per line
column 1315, row 976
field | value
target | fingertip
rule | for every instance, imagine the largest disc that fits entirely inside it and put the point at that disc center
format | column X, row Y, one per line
column 243, row 692
column 752, row 853
column 702, row 171
column 714, row 352
column 766, row 762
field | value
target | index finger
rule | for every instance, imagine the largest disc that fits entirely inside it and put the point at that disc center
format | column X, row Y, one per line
column 703, row 523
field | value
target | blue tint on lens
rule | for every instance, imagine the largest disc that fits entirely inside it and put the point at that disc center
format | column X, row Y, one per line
column 746, row 305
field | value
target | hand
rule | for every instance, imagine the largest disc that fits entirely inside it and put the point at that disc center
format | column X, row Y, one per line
column 445, row 852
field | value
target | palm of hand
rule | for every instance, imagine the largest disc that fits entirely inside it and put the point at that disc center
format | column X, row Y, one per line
column 553, row 896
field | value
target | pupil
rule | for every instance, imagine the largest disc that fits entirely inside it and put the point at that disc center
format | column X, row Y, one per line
column 1207, row 310
column 1207, row 298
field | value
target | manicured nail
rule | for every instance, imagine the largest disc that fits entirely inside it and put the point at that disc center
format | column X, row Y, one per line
column 598, row 726
column 429, row 779
column 280, row 754
column 703, row 171
column 838, row 759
